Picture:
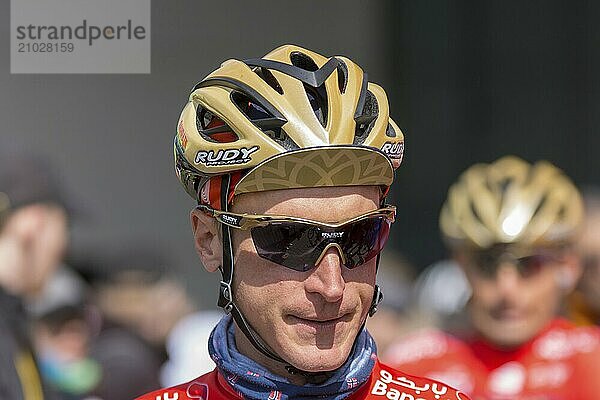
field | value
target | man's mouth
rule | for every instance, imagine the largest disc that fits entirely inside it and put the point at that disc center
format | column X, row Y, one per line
column 508, row 314
column 319, row 322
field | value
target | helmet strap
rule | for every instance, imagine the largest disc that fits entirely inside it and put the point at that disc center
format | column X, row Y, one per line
column 377, row 293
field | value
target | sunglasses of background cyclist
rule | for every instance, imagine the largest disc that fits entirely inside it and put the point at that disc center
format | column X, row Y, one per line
column 300, row 244
column 528, row 264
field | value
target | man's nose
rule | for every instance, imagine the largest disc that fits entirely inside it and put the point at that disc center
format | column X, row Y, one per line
column 507, row 278
column 326, row 279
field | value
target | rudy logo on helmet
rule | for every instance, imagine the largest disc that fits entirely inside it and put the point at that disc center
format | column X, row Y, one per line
column 225, row 157
column 395, row 151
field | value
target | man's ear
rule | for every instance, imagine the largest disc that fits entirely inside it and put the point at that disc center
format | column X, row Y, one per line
column 207, row 240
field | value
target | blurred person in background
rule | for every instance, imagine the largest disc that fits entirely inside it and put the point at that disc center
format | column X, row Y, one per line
column 64, row 326
column 139, row 304
column 512, row 227
column 33, row 240
column 584, row 303
column 36, row 221
column 290, row 158
column 149, row 323
column 62, row 338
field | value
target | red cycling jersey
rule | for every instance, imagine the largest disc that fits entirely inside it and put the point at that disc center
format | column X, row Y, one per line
column 561, row 363
column 384, row 383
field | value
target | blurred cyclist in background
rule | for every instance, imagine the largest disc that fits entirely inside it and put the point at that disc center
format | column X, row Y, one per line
column 33, row 239
column 290, row 158
column 584, row 303
column 512, row 227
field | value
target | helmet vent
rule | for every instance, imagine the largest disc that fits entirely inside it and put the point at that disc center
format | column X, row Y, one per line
column 541, row 205
column 213, row 128
column 365, row 119
column 303, row 61
column 317, row 96
column 562, row 213
column 371, row 107
column 269, row 78
column 250, row 108
column 342, row 70
column 474, row 211
column 390, row 131
column 262, row 119
column 504, row 184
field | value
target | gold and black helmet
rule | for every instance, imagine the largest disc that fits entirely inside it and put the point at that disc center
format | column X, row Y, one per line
column 291, row 119
column 511, row 202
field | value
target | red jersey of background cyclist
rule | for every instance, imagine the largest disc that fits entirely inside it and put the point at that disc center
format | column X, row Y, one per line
column 560, row 363
column 384, row 383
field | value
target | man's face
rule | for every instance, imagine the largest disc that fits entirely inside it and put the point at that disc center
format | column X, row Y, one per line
column 37, row 236
column 309, row 318
column 514, row 299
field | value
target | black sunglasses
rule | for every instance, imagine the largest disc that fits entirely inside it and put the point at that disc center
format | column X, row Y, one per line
column 488, row 262
column 300, row 244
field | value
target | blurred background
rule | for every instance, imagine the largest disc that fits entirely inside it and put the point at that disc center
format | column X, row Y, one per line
column 467, row 82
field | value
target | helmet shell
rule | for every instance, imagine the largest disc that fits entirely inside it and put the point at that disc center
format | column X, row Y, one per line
column 293, row 118
column 511, row 202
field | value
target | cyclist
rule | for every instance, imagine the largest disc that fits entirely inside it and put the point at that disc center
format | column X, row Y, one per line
column 512, row 226
column 584, row 302
column 290, row 157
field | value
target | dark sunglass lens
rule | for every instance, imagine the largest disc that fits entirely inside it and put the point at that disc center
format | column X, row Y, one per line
column 364, row 240
column 290, row 244
column 532, row 265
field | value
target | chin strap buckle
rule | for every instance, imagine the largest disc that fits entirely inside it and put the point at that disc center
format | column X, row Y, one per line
column 225, row 297
column 377, row 298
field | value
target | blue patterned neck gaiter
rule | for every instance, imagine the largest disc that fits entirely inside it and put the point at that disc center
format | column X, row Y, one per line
column 254, row 381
